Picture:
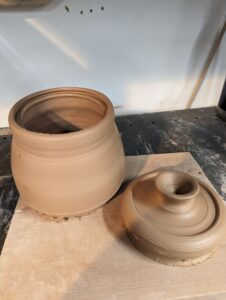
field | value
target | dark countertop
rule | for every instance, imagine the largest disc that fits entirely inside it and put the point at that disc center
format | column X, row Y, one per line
column 198, row 131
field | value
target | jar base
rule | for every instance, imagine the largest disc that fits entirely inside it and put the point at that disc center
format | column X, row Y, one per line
column 80, row 214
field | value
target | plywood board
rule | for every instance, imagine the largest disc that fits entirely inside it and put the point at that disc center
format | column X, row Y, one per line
column 92, row 258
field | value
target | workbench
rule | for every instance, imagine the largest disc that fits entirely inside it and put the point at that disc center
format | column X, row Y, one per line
column 198, row 131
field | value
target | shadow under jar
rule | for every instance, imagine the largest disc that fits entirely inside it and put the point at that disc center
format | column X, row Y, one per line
column 67, row 156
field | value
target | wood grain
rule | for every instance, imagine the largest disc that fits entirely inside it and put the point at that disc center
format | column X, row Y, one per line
column 92, row 258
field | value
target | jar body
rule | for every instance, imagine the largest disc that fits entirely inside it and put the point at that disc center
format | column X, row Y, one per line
column 71, row 173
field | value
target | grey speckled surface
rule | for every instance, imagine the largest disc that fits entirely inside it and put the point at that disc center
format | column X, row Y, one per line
column 8, row 201
column 8, row 191
column 199, row 131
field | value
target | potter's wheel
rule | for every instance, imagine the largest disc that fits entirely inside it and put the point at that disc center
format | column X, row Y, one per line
column 173, row 217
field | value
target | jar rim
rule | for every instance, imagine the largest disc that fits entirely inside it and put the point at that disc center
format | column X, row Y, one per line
column 15, row 126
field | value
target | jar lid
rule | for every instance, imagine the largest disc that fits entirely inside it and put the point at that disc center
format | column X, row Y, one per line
column 173, row 217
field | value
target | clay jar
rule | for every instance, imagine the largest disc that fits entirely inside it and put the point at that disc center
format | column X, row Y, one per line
column 67, row 155
column 173, row 217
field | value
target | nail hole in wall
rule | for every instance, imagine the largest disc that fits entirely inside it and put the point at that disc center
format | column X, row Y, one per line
column 90, row 10
column 81, row 12
column 153, row 122
column 66, row 8
column 102, row 8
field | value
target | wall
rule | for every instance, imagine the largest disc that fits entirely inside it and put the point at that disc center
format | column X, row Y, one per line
column 145, row 55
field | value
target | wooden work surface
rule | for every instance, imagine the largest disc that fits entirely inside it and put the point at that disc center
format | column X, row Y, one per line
column 92, row 258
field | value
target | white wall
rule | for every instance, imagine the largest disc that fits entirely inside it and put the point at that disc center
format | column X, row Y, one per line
column 145, row 55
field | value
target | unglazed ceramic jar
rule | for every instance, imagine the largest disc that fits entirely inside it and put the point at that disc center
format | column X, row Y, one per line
column 67, row 155
column 173, row 217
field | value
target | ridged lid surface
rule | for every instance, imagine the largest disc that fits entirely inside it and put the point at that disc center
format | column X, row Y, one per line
column 173, row 217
